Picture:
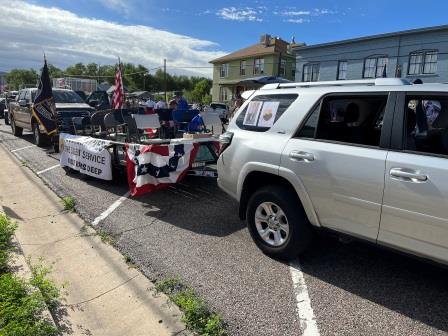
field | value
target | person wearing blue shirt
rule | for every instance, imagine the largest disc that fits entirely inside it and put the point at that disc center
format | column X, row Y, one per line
column 182, row 104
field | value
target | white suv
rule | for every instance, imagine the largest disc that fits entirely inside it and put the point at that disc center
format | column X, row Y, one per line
column 367, row 158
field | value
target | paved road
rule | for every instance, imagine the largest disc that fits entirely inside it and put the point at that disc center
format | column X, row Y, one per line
column 193, row 231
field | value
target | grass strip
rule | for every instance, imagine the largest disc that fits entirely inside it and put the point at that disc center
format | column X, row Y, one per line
column 21, row 305
column 197, row 317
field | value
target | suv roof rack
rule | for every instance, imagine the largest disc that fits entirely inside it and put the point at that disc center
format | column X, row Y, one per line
column 367, row 82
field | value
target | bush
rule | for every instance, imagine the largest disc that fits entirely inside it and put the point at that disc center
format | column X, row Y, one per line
column 50, row 292
column 21, row 309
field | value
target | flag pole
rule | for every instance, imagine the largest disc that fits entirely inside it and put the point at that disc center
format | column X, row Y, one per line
column 122, row 85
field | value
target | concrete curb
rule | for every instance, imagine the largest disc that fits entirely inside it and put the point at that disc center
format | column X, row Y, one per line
column 162, row 300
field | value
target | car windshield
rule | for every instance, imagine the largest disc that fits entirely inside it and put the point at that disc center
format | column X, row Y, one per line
column 66, row 97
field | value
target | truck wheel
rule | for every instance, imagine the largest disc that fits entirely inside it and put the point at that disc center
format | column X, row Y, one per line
column 17, row 131
column 39, row 138
column 277, row 222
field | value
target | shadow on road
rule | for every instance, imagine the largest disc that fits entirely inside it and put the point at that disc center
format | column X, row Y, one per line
column 196, row 205
column 398, row 282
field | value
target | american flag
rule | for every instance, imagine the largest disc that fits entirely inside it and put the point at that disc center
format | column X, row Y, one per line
column 155, row 167
column 117, row 101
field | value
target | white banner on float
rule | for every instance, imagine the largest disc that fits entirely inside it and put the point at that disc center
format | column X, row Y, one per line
column 86, row 155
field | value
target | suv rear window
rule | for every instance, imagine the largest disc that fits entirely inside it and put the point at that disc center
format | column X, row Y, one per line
column 263, row 111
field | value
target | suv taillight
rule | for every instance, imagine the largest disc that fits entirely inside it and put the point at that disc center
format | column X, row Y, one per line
column 225, row 140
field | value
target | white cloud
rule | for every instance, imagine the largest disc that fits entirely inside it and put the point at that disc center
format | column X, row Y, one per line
column 301, row 20
column 295, row 13
column 26, row 30
column 239, row 14
column 121, row 6
column 314, row 12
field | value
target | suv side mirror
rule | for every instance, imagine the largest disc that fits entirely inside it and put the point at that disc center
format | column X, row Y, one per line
column 23, row 102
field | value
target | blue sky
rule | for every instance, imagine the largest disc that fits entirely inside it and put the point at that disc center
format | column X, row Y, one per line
column 190, row 33
column 206, row 19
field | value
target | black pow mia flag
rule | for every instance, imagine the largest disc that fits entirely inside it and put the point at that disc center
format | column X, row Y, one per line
column 44, row 108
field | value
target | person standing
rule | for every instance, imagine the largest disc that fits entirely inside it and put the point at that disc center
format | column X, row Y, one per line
column 182, row 103
column 161, row 104
column 149, row 106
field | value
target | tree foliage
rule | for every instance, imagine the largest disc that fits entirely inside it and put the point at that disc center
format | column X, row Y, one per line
column 135, row 78
column 18, row 78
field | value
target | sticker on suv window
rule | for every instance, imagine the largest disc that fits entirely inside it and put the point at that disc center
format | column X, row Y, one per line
column 263, row 111
column 253, row 111
column 268, row 113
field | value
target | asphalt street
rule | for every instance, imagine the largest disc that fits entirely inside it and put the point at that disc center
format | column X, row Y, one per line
column 192, row 231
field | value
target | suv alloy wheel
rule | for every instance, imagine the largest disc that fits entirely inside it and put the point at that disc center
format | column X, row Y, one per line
column 277, row 222
column 17, row 131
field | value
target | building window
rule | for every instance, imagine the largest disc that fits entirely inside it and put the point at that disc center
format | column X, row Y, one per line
column 311, row 72
column 224, row 70
column 223, row 93
column 422, row 62
column 282, row 70
column 342, row 70
column 374, row 66
column 242, row 68
column 293, row 70
column 258, row 66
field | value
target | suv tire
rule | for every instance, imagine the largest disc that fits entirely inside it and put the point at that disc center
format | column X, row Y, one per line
column 17, row 131
column 39, row 138
column 277, row 212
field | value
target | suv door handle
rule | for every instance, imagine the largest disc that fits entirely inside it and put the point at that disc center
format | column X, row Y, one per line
column 302, row 156
column 408, row 175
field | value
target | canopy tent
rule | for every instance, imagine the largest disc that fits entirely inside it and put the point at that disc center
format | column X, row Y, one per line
column 145, row 95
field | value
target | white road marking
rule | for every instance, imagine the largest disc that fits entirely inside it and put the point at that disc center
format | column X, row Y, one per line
column 307, row 319
column 49, row 168
column 110, row 209
column 19, row 149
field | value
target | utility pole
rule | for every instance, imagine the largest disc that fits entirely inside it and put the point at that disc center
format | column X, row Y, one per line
column 164, row 77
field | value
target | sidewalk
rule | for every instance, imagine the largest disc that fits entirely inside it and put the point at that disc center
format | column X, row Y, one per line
column 105, row 296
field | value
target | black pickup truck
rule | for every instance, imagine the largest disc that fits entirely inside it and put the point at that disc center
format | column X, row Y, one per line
column 68, row 105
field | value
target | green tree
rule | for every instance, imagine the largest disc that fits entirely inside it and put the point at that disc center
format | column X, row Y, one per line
column 78, row 69
column 91, row 70
column 201, row 90
column 18, row 78
column 54, row 71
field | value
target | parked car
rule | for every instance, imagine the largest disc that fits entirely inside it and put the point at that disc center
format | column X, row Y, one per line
column 68, row 105
column 219, row 108
column 364, row 158
column 2, row 107
column 10, row 96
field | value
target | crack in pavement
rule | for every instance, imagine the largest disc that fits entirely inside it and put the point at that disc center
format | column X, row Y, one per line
column 70, row 305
